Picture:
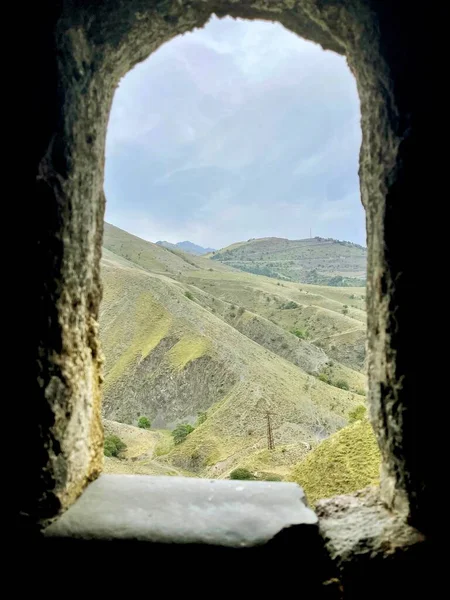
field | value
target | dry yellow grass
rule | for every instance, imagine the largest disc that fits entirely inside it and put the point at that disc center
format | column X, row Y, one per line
column 346, row 462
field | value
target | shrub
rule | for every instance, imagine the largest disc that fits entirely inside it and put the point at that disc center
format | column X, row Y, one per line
column 324, row 377
column 361, row 392
column 241, row 474
column 144, row 423
column 302, row 334
column 181, row 432
column 345, row 311
column 357, row 414
column 201, row 418
column 289, row 305
column 342, row 384
column 113, row 445
column 189, row 295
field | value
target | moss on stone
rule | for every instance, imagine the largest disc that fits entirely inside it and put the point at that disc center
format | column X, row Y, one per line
column 347, row 461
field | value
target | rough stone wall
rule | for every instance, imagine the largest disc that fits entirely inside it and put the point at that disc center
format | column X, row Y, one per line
column 87, row 46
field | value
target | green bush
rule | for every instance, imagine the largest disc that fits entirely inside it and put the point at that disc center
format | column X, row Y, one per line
column 324, row 377
column 189, row 295
column 201, row 418
column 302, row 334
column 361, row 392
column 357, row 414
column 113, row 445
column 345, row 311
column 144, row 423
column 289, row 305
column 181, row 432
column 242, row 474
column 343, row 385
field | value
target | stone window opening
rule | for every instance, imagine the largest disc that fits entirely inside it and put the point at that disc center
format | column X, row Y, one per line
column 85, row 49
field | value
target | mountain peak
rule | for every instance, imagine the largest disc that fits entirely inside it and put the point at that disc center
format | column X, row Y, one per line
column 186, row 246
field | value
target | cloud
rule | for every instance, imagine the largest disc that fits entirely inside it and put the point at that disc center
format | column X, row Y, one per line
column 237, row 130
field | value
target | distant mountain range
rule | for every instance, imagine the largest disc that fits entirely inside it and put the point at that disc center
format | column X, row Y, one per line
column 186, row 246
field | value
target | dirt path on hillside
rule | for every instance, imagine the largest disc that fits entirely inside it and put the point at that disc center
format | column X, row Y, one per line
column 333, row 335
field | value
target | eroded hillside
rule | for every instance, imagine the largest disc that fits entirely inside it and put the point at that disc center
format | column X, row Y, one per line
column 183, row 335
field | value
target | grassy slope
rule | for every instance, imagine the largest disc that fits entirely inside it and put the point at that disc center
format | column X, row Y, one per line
column 153, row 258
column 168, row 357
column 319, row 313
column 142, row 455
column 347, row 461
column 309, row 260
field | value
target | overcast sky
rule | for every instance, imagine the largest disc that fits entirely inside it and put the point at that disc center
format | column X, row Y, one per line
column 235, row 131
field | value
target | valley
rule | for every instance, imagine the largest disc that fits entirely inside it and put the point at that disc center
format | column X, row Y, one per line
column 187, row 335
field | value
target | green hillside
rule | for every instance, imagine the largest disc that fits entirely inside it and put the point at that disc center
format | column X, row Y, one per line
column 183, row 335
column 346, row 462
column 317, row 260
column 152, row 257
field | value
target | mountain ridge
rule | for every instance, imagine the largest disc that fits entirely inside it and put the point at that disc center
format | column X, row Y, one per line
column 186, row 246
column 321, row 261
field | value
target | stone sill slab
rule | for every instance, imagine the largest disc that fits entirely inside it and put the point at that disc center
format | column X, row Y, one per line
column 180, row 510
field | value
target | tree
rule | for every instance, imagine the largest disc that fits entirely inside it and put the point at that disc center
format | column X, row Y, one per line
column 144, row 423
column 181, row 432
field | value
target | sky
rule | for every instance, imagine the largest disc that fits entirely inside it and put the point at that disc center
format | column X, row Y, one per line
column 235, row 131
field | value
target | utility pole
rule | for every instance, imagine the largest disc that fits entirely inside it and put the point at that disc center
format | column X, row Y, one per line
column 270, row 443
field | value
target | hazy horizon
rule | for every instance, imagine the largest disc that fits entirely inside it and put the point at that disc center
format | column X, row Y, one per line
column 235, row 131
